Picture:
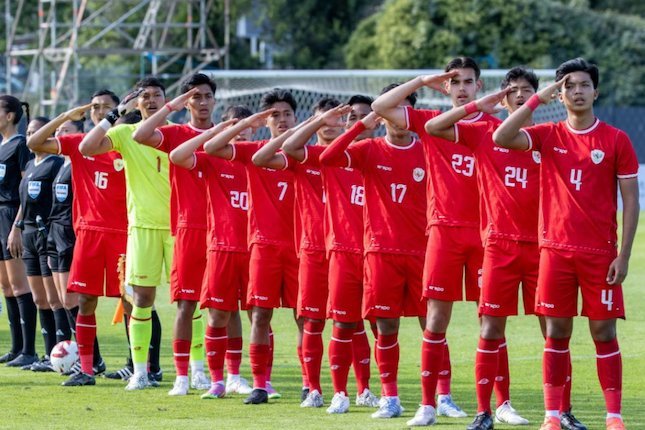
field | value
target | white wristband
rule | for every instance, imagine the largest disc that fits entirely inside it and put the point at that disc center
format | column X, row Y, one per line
column 105, row 124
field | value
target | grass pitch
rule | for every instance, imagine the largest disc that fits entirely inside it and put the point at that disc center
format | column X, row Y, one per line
column 31, row 400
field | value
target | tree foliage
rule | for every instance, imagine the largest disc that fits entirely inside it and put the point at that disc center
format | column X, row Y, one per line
column 504, row 33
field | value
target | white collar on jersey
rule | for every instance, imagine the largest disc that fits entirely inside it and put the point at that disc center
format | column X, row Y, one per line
column 414, row 141
column 10, row 139
column 474, row 119
column 586, row 130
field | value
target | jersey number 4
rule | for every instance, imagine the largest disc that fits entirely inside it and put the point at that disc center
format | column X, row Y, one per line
column 607, row 298
column 576, row 178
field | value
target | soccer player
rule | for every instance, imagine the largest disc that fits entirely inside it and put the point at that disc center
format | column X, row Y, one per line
column 273, row 277
column 21, row 309
column 99, row 223
column 341, row 223
column 584, row 161
column 454, row 245
column 187, row 222
column 394, row 176
column 33, row 214
column 508, row 187
column 310, row 240
column 228, row 257
column 149, row 244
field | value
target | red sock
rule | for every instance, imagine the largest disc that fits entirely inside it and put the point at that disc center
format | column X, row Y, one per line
column 503, row 379
column 361, row 357
column 340, row 353
column 486, row 364
column 85, row 336
column 258, row 358
column 610, row 373
column 233, row 355
column 554, row 371
column 181, row 355
column 303, row 371
column 312, row 349
column 565, row 406
column 432, row 351
column 387, row 350
column 445, row 374
column 216, row 341
column 269, row 364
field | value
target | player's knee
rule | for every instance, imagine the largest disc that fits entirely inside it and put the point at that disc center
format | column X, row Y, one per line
column 602, row 330
column 559, row 328
column 262, row 317
column 492, row 328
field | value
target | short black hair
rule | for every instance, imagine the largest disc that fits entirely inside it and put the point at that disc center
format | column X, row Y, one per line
column 325, row 104
column 151, row 81
column 80, row 126
column 412, row 98
column 277, row 95
column 236, row 112
column 132, row 117
column 360, row 99
column 578, row 65
column 105, row 92
column 41, row 119
column 463, row 63
column 15, row 106
column 520, row 72
column 197, row 79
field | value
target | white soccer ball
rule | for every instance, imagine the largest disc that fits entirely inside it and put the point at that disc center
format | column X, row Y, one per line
column 64, row 355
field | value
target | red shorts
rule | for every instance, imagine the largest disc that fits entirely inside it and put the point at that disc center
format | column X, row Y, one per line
column 273, row 276
column 226, row 280
column 313, row 287
column 94, row 269
column 507, row 263
column 345, row 286
column 450, row 252
column 561, row 272
column 188, row 264
column 393, row 286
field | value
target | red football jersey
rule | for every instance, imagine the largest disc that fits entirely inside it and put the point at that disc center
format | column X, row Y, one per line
column 452, row 185
column 228, row 202
column 188, row 188
column 395, row 201
column 99, row 187
column 271, row 198
column 309, row 201
column 578, row 184
column 508, row 183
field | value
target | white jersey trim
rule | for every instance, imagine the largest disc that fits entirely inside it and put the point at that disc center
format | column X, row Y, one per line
column 528, row 137
column 478, row 117
column 586, row 130
column 414, row 141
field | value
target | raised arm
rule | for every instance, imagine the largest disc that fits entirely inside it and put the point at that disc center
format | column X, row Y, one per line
column 444, row 125
column 508, row 134
column 334, row 154
column 268, row 155
column 43, row 141
column 220, row 144
column 95, row 142
column 388, row 105
column 183, row 155
column 294, row 145
column 147, row 133
column 629, row 192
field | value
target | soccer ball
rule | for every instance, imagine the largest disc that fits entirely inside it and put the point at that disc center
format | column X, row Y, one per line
column 64, row 355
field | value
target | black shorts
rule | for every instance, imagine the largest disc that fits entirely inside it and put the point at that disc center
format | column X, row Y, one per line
column 34, row 253
column 7, row 218
column 60, row 247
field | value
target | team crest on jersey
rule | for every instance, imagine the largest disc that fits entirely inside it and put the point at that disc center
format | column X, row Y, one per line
column 418, row 174
column 3, row 171
column 118, row 164
column 537, row 157
column 597, row 155
column 62, row 191
column 33, row 188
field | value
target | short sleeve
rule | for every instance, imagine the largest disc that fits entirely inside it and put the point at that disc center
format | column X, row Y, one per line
column 312, row 155
column 472, row 134
column 23, row 155
column 168, row 137
column 244, row 151
column 358, row 153
column 116, row 136
column 68, row 144
column 626, row 159
column 537, row 135
column 416, row 119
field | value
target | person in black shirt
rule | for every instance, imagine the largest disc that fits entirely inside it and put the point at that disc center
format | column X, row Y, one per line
column 19, row 301
column 35, row 208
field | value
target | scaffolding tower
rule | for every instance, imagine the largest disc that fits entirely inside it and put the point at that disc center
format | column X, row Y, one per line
column 163, row 33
